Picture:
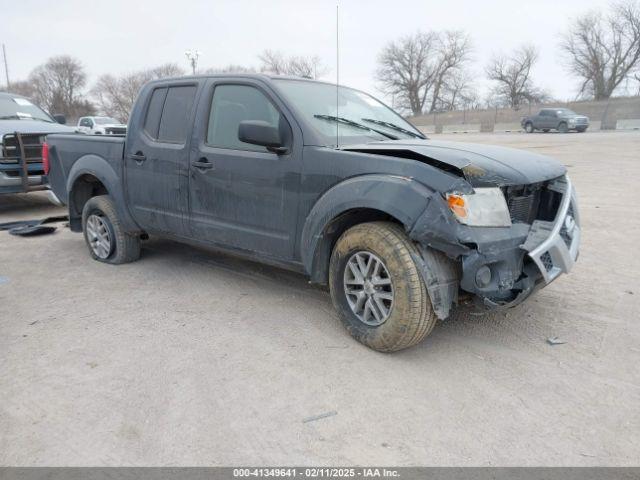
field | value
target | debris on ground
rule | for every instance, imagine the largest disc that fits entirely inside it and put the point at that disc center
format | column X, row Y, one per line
column 555, row 341
column 319, row 417
column 28, row 228
column 4, row 280
column 32, row 230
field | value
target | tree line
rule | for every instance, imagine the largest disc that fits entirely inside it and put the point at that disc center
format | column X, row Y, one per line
column 426, row 72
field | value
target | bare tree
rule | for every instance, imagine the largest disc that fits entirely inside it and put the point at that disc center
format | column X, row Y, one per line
column 603, row 51
column 278, row 64
column 115, row 95
column 513, row 77
column 415, row 69
column 458, row 92
column 231, row 68
column 22, row 87
column 454, row 51
column 57, row 86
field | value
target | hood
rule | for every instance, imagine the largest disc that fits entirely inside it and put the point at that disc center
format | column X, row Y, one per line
column 479, row 164
column 32, row 126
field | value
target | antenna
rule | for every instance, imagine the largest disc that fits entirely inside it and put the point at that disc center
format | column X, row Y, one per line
column 6, row 65
column 337, row 76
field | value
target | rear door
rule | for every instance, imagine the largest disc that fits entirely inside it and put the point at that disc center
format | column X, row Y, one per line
column 157, row 160
column 244, row 196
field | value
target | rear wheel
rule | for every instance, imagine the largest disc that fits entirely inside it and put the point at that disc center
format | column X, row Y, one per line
column 528, row 127
column 105, row 236
column 563, row 128
column 378, row 289
column 545, row 130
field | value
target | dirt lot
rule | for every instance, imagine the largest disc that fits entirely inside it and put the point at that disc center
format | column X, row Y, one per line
column 192, row 358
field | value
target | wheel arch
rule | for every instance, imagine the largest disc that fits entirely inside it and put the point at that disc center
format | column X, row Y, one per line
column 357, row 200
column 91, row 176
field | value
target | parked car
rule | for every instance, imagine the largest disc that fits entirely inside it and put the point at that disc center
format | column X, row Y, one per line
column 398, row 226
column 560, row 119
column 101, row 126
column 23, row 126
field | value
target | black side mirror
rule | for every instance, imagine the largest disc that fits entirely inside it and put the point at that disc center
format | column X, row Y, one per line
column 259, row 132
column 61, row 119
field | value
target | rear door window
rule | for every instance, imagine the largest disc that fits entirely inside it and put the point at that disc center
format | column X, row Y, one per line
column 154, row 112
column 176, row 113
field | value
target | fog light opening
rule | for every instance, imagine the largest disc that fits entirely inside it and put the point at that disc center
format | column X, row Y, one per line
column 483, row 276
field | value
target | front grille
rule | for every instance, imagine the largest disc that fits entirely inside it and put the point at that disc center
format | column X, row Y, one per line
column 32, row 148
column 520, row 208
column 563, row 231
column 547, row 261
column 532, row 202
column 116, row 131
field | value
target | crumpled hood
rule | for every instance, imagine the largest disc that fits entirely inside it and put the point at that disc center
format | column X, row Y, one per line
column 32, row 126
column 481, row 165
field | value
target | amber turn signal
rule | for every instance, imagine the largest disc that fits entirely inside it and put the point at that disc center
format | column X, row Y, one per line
column 457, row 205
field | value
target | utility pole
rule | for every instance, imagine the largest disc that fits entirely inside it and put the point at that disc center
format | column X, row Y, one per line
column 192, row 56
column 6, row 64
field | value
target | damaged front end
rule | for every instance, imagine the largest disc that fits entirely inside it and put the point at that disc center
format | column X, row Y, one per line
column 502, row 266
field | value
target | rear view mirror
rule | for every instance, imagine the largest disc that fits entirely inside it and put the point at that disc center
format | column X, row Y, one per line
column 259, row 132
column 61, row 119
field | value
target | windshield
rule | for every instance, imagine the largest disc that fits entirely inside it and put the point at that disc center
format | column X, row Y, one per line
column 18, row 108
column 359, row 116
column 105, row 120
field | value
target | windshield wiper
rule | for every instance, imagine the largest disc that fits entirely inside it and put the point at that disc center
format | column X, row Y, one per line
column 395, row 127
column 346, row 121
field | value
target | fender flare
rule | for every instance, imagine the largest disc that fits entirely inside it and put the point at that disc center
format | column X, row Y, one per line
column 400, row 197
column 101, row 169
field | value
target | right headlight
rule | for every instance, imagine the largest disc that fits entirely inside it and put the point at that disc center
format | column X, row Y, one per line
column 486, row 207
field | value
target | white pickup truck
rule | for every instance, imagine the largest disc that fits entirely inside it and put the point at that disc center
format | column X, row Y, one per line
column 101, row 126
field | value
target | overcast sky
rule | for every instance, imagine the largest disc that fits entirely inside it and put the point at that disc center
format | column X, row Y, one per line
column 118, row 36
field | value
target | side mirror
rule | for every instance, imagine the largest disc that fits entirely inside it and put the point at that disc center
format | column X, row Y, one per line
column 61, row 119
column 259, row 132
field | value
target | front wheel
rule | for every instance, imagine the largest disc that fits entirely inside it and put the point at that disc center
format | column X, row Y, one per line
column 563, row 128
column 378, row 289
column 528, row 127
column 105, row 236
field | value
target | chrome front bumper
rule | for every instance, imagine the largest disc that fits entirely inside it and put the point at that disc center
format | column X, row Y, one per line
column 553, row 246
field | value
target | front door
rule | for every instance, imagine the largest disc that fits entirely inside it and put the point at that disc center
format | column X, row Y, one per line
column 244, row 196
column 157, row 161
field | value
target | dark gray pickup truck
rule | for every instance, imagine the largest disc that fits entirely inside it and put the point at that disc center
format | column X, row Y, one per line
column 560, row 119
column 331, row 183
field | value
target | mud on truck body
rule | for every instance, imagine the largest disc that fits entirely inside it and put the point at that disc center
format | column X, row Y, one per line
column 398, row 226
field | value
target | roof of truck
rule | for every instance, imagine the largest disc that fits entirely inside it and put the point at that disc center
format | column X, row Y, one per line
column 254, row 76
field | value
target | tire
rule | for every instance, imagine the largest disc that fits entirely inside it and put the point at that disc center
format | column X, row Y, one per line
column 528, row 127
column 545, row 130
column 410, row 315
column 99, row 215
column 563, row 128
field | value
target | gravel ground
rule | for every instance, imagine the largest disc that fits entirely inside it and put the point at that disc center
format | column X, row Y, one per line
column 193, row 358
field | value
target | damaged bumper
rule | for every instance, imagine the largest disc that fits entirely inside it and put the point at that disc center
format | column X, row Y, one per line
column 505, row 274
column 553, row 246
column 502, row 266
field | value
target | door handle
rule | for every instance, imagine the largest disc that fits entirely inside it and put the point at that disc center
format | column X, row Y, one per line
column 139, row 157
column 203, row 164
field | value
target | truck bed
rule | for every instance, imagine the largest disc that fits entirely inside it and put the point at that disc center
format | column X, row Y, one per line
column 66, row 149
